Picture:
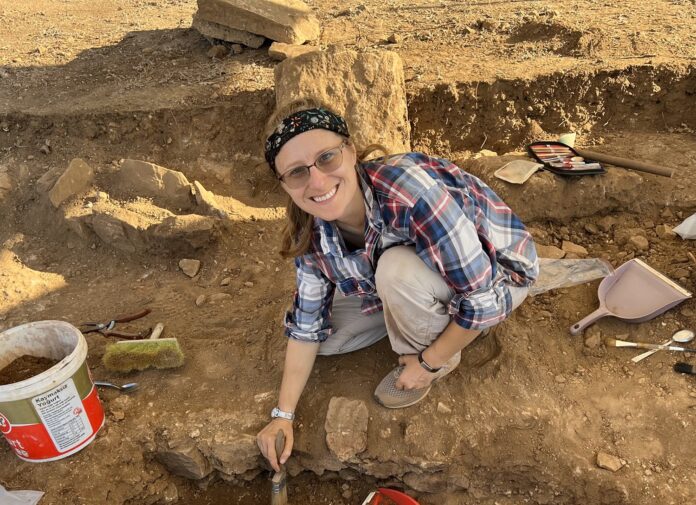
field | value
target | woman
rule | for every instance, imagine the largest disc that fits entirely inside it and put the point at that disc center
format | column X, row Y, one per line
column 407, row 246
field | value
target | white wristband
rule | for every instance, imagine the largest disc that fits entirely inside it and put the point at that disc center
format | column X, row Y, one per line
column 276, row 412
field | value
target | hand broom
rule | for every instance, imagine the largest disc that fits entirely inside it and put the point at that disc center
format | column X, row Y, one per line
column 153, row 352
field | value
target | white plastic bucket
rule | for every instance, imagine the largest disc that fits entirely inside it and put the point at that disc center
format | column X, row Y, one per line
column 57, row 412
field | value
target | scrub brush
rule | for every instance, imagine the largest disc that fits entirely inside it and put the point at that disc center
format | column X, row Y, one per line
column 153, row 352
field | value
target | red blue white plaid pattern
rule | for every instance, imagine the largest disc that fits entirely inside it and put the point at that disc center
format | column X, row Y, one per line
column 458, row 226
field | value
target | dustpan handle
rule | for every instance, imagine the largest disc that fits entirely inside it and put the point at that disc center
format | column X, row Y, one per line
column 580, row 326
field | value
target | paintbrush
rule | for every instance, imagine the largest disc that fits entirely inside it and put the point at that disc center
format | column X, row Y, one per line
column 684, row 368
column 612, row 342
column 279, row 489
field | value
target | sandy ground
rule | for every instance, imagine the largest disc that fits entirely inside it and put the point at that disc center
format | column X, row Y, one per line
column 110, row 80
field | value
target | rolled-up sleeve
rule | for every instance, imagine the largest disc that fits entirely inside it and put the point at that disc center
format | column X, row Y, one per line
column 448, row 239
column 308, row 320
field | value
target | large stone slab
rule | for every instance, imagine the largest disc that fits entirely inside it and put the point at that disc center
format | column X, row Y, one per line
column 182, row 457
column 346, row 427
column 288, row 21
column 77, row 178
column 222, row 32
column 141, row 178
column 366, row 88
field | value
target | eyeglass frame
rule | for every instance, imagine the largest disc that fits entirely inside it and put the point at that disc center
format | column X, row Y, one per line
column 340, row 148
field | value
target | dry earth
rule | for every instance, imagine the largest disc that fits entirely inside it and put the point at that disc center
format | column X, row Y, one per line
column 107, row 81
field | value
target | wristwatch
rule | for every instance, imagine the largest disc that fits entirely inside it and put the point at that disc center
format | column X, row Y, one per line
column 276, row 412
column 425, row 365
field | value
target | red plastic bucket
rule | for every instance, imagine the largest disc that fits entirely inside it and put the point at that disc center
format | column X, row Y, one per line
column 57, row 412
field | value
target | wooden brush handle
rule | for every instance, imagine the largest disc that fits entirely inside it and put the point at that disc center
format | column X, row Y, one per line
column 626, row 163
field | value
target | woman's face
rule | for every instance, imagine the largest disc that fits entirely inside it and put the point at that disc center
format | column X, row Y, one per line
column 325, row 195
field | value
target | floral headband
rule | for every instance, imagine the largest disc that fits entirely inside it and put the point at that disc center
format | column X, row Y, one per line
column 300, row 122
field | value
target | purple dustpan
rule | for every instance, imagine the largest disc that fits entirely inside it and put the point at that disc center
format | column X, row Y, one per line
column 635, row 292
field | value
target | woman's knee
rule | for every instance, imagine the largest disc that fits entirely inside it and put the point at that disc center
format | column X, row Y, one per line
column 393, row 267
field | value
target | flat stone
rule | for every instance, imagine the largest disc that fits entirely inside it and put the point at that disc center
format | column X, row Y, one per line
column 190, row 267
column 200, row 300
column 222, row 32
column 664, row 231
column 192, row 230
column 608, row 462
column 591, row 228
column 680, row 272
column 77, row 178
column 48, row 179
column 623, row 235
column 639, row 243
column 226, row 281
column 235, row 453
column 606, row 223
column 572, row 248
column 280, row 51
column 147, row 179
column 549, row 251
column 220, row 297
column 119, row 231
column 290, row 21
column 367, row 89
column 346, row 427
column 184, row 459
column 593, row 337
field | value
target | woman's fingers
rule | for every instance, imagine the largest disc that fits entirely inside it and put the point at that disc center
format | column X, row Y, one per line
column 288, row 445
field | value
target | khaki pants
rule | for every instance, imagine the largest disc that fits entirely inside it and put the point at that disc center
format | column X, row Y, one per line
column 415, row 300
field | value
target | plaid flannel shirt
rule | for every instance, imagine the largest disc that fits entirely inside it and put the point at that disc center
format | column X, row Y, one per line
column 458, row 226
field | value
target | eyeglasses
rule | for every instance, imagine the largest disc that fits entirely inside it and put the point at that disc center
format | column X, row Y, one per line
column 327, row 162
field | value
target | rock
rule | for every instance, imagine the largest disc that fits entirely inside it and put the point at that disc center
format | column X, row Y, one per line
column 608, row 462
column 217, row 51
column 119, row 231
column 248, row 284
column 48, row 179
column 207, row 201
column 572, row 248
column 181, row 457
column 639, row 243
column 664, row 231
column 148, row 179
column 395, row 38
column 280, row 51
column 622, row 235
column 346, row 427
column 200, row 300
column 221, row 32
column 591, row 228
column 190, row 230
column 226, row 281
column 606, row 223
column 443, row 409
column 77, row 178
column 5, row 184
column 220, row 297
column 366, row 88
column 485, row 153
column 290, row 21
column 593, row 337
column 426, row 482
column 549, row 251
column 559, row 379
column 190, row 267
column 680, row 272
column 236, row 49
column 667, row 213
column 235, row 453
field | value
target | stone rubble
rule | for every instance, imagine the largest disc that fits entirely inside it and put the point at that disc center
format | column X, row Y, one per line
column 346, row 427
column 77, row 178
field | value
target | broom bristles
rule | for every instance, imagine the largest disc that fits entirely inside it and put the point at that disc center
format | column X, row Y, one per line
column 127, row 356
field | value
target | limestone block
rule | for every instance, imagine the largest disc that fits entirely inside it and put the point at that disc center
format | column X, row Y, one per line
column 222, row 32
column 190, row 267
column 192, row 229
column 288, row 21
column 235, row 453
column 366, row 88
column 117, row 232
column 346, row 427
column 148, row 179
column 184, row 459
column 280, row 51
column 573, row 248
column 48, row 180
column 549, row 251
column 77, row 178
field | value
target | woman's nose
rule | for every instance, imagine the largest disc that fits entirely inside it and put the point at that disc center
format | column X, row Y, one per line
column 317, row 178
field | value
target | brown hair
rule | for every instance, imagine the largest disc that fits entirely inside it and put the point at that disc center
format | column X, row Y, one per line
column 297, row 234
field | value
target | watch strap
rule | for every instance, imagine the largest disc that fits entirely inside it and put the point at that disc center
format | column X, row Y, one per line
column 277, row 413
column 425, row 365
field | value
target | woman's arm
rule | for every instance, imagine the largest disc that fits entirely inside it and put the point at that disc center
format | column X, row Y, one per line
column 299, row 361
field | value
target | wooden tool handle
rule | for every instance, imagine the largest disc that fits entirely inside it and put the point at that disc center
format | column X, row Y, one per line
column 626, row 163
column 279, row 444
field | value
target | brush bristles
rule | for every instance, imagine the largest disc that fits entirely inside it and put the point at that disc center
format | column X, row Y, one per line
column 128, row 356
column 684, row 368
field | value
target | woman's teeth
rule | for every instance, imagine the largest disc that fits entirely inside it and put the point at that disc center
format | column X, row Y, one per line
column 325, row 197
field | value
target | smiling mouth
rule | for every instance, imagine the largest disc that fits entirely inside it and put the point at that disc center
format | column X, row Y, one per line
column 325, row 197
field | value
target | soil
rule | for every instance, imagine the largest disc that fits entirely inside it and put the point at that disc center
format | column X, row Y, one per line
column 23, row 368
column 130, row 79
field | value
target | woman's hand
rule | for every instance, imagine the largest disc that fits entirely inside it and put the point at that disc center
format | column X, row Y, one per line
column 413, row 376
column 266, row 441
